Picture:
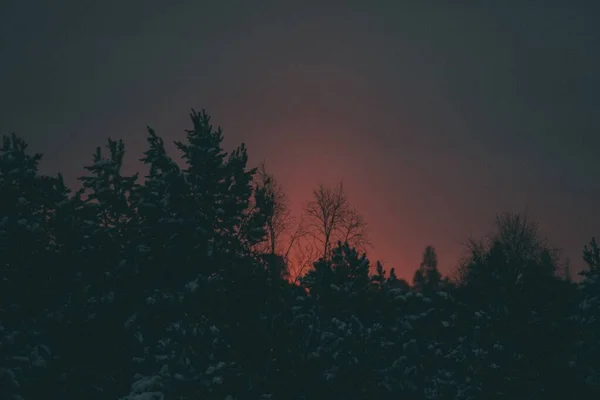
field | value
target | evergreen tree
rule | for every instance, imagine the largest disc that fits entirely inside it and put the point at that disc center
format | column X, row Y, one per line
column 27, row 204
column 379, row 278
column 164, row 290
column 394, row 282
column 32, row 283
column 101, row 215
column 567, row 275
column 208, row 218
column 427, row 278
column 586, row 348
column 512, row 277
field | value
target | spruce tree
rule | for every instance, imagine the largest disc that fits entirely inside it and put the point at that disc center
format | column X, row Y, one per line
column 100, row 216
column 201, row 223
column 427, row 278
column 32, row 282
column 586, row 347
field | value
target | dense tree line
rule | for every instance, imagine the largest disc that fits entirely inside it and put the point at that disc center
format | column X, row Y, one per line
column 178, row 286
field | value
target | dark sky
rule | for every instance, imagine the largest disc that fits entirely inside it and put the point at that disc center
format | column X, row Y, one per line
column 436, row 117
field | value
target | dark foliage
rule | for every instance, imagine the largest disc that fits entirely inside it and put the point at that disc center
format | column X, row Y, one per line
column 155, row 288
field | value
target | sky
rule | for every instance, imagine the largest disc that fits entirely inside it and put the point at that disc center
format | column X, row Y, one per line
column 436, row 117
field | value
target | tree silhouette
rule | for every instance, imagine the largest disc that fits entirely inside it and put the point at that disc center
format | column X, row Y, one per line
column 285, row 235
column 331, row 219
column 32, row 280
column 176, row 287
column 427, row 278
column 513, row 253
column 281, row 221
column 588, row 317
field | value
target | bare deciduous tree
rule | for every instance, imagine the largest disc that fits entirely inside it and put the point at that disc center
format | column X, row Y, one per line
column 331, row 219
column 281, row 221
column 355, row 230
column 328, row 218
column 302, row 257
column 515, row 249
column 285, row 234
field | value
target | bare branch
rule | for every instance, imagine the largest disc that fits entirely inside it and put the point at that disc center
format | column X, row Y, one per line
column 300, row 232
column 281, row 221
column 354, row 230
column 331, row 219
column 301, row 260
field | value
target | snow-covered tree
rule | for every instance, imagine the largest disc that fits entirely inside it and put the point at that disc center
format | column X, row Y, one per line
column 163, row 289
column 31, row 280
column 586, row 346
column 200, row 223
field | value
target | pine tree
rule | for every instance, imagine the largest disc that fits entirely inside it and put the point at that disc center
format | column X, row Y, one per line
column 427, row 278
column 106, row 189
column 27, row 203
column 395, row 283
column 32, row 282
column 378, row 278
column 208, row 218
column 100, row 216
column 162, row 231
column 586, row 349
column 219, row 200
column 567, row 274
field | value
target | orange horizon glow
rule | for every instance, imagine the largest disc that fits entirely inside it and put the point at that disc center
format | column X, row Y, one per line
column 436, row 119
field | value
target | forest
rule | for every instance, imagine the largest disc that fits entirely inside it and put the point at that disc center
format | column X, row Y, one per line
column 194, row 281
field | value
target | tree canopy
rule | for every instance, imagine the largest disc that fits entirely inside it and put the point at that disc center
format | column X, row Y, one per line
column 178, row 285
